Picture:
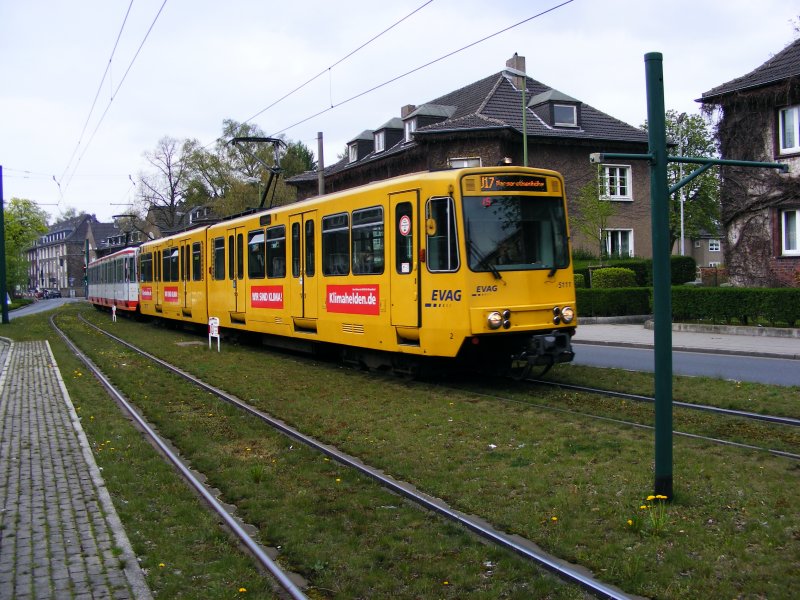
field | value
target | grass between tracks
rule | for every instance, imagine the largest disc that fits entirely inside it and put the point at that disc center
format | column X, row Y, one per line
column 573, row 485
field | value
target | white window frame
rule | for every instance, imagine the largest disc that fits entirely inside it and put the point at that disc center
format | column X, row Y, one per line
column 607, row 235
column 573, row 122
column 789, row 130
column 463, row 162
column 352, row 152
column 409, row 127
column 617, row 194
column 790, row 232
column 380, row 141
column 714, row 246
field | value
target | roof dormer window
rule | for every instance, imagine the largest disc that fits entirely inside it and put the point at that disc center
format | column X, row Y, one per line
column 352, row 153
column 380, row 141
column 565, row 115
column 410, row 126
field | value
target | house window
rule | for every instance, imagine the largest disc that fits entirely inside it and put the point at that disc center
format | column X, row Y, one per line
column 790, row 222
column 618, row 242
column 410, row 127
column 714, row 246
column 380, row 141
column 714, row 264
column 352, row 153
column 616, row 183
column 565, row 115
column 460, row 163
column 789, row 132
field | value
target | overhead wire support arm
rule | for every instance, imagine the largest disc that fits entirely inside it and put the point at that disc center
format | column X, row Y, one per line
column 274, row 170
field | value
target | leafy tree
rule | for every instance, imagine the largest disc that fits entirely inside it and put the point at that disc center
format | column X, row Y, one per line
column 591, row 213
column 24, row 222
column 692, row 136
column 298, row 159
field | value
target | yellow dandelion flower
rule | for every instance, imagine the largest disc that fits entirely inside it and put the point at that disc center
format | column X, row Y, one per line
column 161, row 565
column 554, row 519
column 643, row 507
column 445, row 583
column 660, row 497
column 242, row 590
column 630, row 522
column 650, row 498
column 338, row 480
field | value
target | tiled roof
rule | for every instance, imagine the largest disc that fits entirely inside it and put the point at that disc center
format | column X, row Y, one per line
column 493, row 103
column 783, row 65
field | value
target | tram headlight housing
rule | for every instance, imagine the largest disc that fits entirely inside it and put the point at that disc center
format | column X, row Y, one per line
column 494, row 320
column 567, row 314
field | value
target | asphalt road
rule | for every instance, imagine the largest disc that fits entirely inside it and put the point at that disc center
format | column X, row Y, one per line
column 774, row 371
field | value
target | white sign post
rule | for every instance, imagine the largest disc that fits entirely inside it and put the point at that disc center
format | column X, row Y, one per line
column 213, row 331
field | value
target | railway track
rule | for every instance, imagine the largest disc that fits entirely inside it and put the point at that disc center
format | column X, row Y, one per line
column 776, row 419
column 524, row 548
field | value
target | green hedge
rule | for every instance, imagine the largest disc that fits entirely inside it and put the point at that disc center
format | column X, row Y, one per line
column 779, row 306
column 682, row 269
column 613, row 277
column 612, row 302
column 776, row 307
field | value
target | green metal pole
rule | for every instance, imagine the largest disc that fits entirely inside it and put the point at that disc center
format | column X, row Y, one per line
column 3, row 288
column 662, row 293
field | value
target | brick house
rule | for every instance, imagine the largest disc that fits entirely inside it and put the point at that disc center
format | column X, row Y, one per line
column 759, row 119
column 481, row 125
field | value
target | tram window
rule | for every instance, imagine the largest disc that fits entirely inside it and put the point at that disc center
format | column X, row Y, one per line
column 197, row 261
column 295, row 249
column 169, row 262
column 336, row 245
column 442, row 241
column 367, row 240
column 276, row 251
column 131, row 274
column 219, row 258
column 310, row 248
column 239, row 256
column 256, row 269
column 231, row 258
column 404, row 237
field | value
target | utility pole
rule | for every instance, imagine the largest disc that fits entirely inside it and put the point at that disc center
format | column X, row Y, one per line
column 662, row 284
column 3, row 288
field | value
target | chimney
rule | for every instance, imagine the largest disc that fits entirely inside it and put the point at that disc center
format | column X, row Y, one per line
column 517, row 63
column 407, row 110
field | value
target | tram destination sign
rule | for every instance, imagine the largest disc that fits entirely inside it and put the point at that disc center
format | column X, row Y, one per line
column 513, row 183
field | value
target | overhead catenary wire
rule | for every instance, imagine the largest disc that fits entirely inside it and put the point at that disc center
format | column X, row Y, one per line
column 420, row 67
column 115, row 92
column 99, row 89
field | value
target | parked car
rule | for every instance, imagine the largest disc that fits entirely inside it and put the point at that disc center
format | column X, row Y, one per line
column 51, row 293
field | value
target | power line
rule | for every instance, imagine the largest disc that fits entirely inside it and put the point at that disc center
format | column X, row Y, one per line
column 116, row 91
column 99, row 89
column 338, row 62
column 419, row 68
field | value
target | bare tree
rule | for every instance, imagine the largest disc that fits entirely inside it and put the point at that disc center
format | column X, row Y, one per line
column 162, row 191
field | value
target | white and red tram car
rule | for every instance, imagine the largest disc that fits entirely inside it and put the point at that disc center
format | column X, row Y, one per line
column 113, row 280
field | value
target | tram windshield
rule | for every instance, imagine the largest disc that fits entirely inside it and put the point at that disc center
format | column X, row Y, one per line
column 515, row 233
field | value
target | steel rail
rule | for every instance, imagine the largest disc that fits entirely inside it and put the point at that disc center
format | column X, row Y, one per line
column 792, row 422
column 557, row 566
column 255, row 548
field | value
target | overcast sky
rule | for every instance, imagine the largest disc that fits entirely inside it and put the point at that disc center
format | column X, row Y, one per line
column 208, row 60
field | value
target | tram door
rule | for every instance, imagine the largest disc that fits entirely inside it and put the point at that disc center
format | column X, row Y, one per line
column 404, row 259
column 185, row 286
column 235, row 255
column 303, row 280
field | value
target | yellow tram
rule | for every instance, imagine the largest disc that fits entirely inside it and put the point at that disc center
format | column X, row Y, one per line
column 472, row 263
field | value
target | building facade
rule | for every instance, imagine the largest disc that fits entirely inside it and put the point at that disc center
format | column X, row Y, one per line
column 482, row 124
column 759, row 120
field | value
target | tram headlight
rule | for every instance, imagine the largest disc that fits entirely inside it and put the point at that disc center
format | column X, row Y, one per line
column 494, row 320
column 567, row 314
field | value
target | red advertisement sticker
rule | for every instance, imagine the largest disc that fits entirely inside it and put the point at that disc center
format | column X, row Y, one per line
column 266, row 296
column 147, row 292
column 353, row 299
column 171, row 294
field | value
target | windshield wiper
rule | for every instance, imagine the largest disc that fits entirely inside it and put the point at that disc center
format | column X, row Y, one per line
column 482, row 261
